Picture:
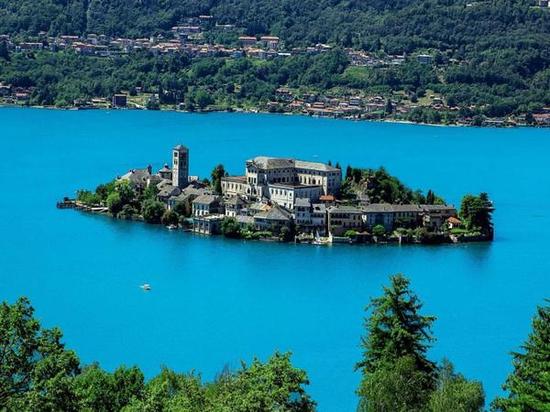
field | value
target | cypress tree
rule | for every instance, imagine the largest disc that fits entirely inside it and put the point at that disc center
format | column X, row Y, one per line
column 528, row 385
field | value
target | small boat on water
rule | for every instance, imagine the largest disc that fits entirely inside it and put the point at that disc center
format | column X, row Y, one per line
column 171, row 227
column 146, row 287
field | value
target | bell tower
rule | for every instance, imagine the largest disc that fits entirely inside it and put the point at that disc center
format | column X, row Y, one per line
column 180, row 166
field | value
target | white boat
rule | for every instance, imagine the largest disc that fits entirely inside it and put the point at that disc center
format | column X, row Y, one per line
column 319, row 240
column 146, row 286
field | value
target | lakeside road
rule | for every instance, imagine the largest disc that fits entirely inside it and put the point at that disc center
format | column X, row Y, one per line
column 258, row 111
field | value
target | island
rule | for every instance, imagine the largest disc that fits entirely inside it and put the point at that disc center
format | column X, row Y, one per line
column 289, row 200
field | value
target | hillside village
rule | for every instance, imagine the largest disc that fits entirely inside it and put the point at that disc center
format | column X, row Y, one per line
column 275, row 198
column 203, row 37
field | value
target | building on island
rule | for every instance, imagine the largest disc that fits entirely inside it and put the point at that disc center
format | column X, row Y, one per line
column 341, row 218
column 282, row 180
column 180, row 166
column 207, row 205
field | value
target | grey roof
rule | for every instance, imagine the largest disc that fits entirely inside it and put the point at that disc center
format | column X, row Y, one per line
column 244, row 219
column 197, row 191
column 235, row 179
column 137, row 176
column 235, row 201
column 206, row 199
column 164, row 182
column 275, row 213
column 391, row 208
column 181, row 148
column 302, row 202
column 165, row 168
column 344, row 209
column 265, row 162
column 434, row 208
column 168, row 191
column 322, row 167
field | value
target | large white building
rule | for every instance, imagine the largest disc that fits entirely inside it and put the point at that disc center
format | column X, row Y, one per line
column 283, row 180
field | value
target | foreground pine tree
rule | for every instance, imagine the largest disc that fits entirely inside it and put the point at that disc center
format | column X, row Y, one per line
column 528, row 385
column 397, row 374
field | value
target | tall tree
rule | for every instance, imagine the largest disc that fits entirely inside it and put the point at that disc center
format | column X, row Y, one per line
column 476, row 211
column 36, row 370
column 397, row 340
column 217, row 174
column 528, row 385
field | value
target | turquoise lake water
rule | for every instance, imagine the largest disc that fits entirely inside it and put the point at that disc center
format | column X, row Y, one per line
column 216, row 301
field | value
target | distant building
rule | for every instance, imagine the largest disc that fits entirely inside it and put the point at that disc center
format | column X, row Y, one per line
column 120, row 100
column 425, row 59
column 247, row 41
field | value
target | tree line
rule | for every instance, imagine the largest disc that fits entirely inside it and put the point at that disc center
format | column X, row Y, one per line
column 38, row 372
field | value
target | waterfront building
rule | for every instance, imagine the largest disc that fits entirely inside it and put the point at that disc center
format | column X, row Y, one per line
column 120, row 100
column 342, row 218
column 273, row 219
column 319, row 218
column 435, row 216
column 207, row 224
column 388, row 215
column 302, row 212
column 207, row 205
column 180, row 166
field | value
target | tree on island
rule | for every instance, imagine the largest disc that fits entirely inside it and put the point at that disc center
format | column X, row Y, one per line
column 230, row 228
column 170, row 217
column 476, row 212
column 528, row 385
column 217, row 173
column 397, row 374
column 152, row 211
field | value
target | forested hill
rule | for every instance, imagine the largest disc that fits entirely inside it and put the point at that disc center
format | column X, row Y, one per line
column 394, row 25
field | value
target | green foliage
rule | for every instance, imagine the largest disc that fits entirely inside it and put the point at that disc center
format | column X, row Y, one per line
column 114, row 203
column 455, row 393
column 476, row 212
column 170, row 217
column 379, row 230
column 230, row 228
column 183, row 208
column 288, row 233
column 36, row 370
column 397, row 375
column 88, row 198
column 397, row 340
column 217, row 173
column 37, row 373
column 152, row 211
column 350, row 233
column 382, row 187
column 98, row 390
column 397, row 386
column 528, row 385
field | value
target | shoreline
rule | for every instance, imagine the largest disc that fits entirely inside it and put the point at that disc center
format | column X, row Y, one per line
column 359, row 239
column 264, row 112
